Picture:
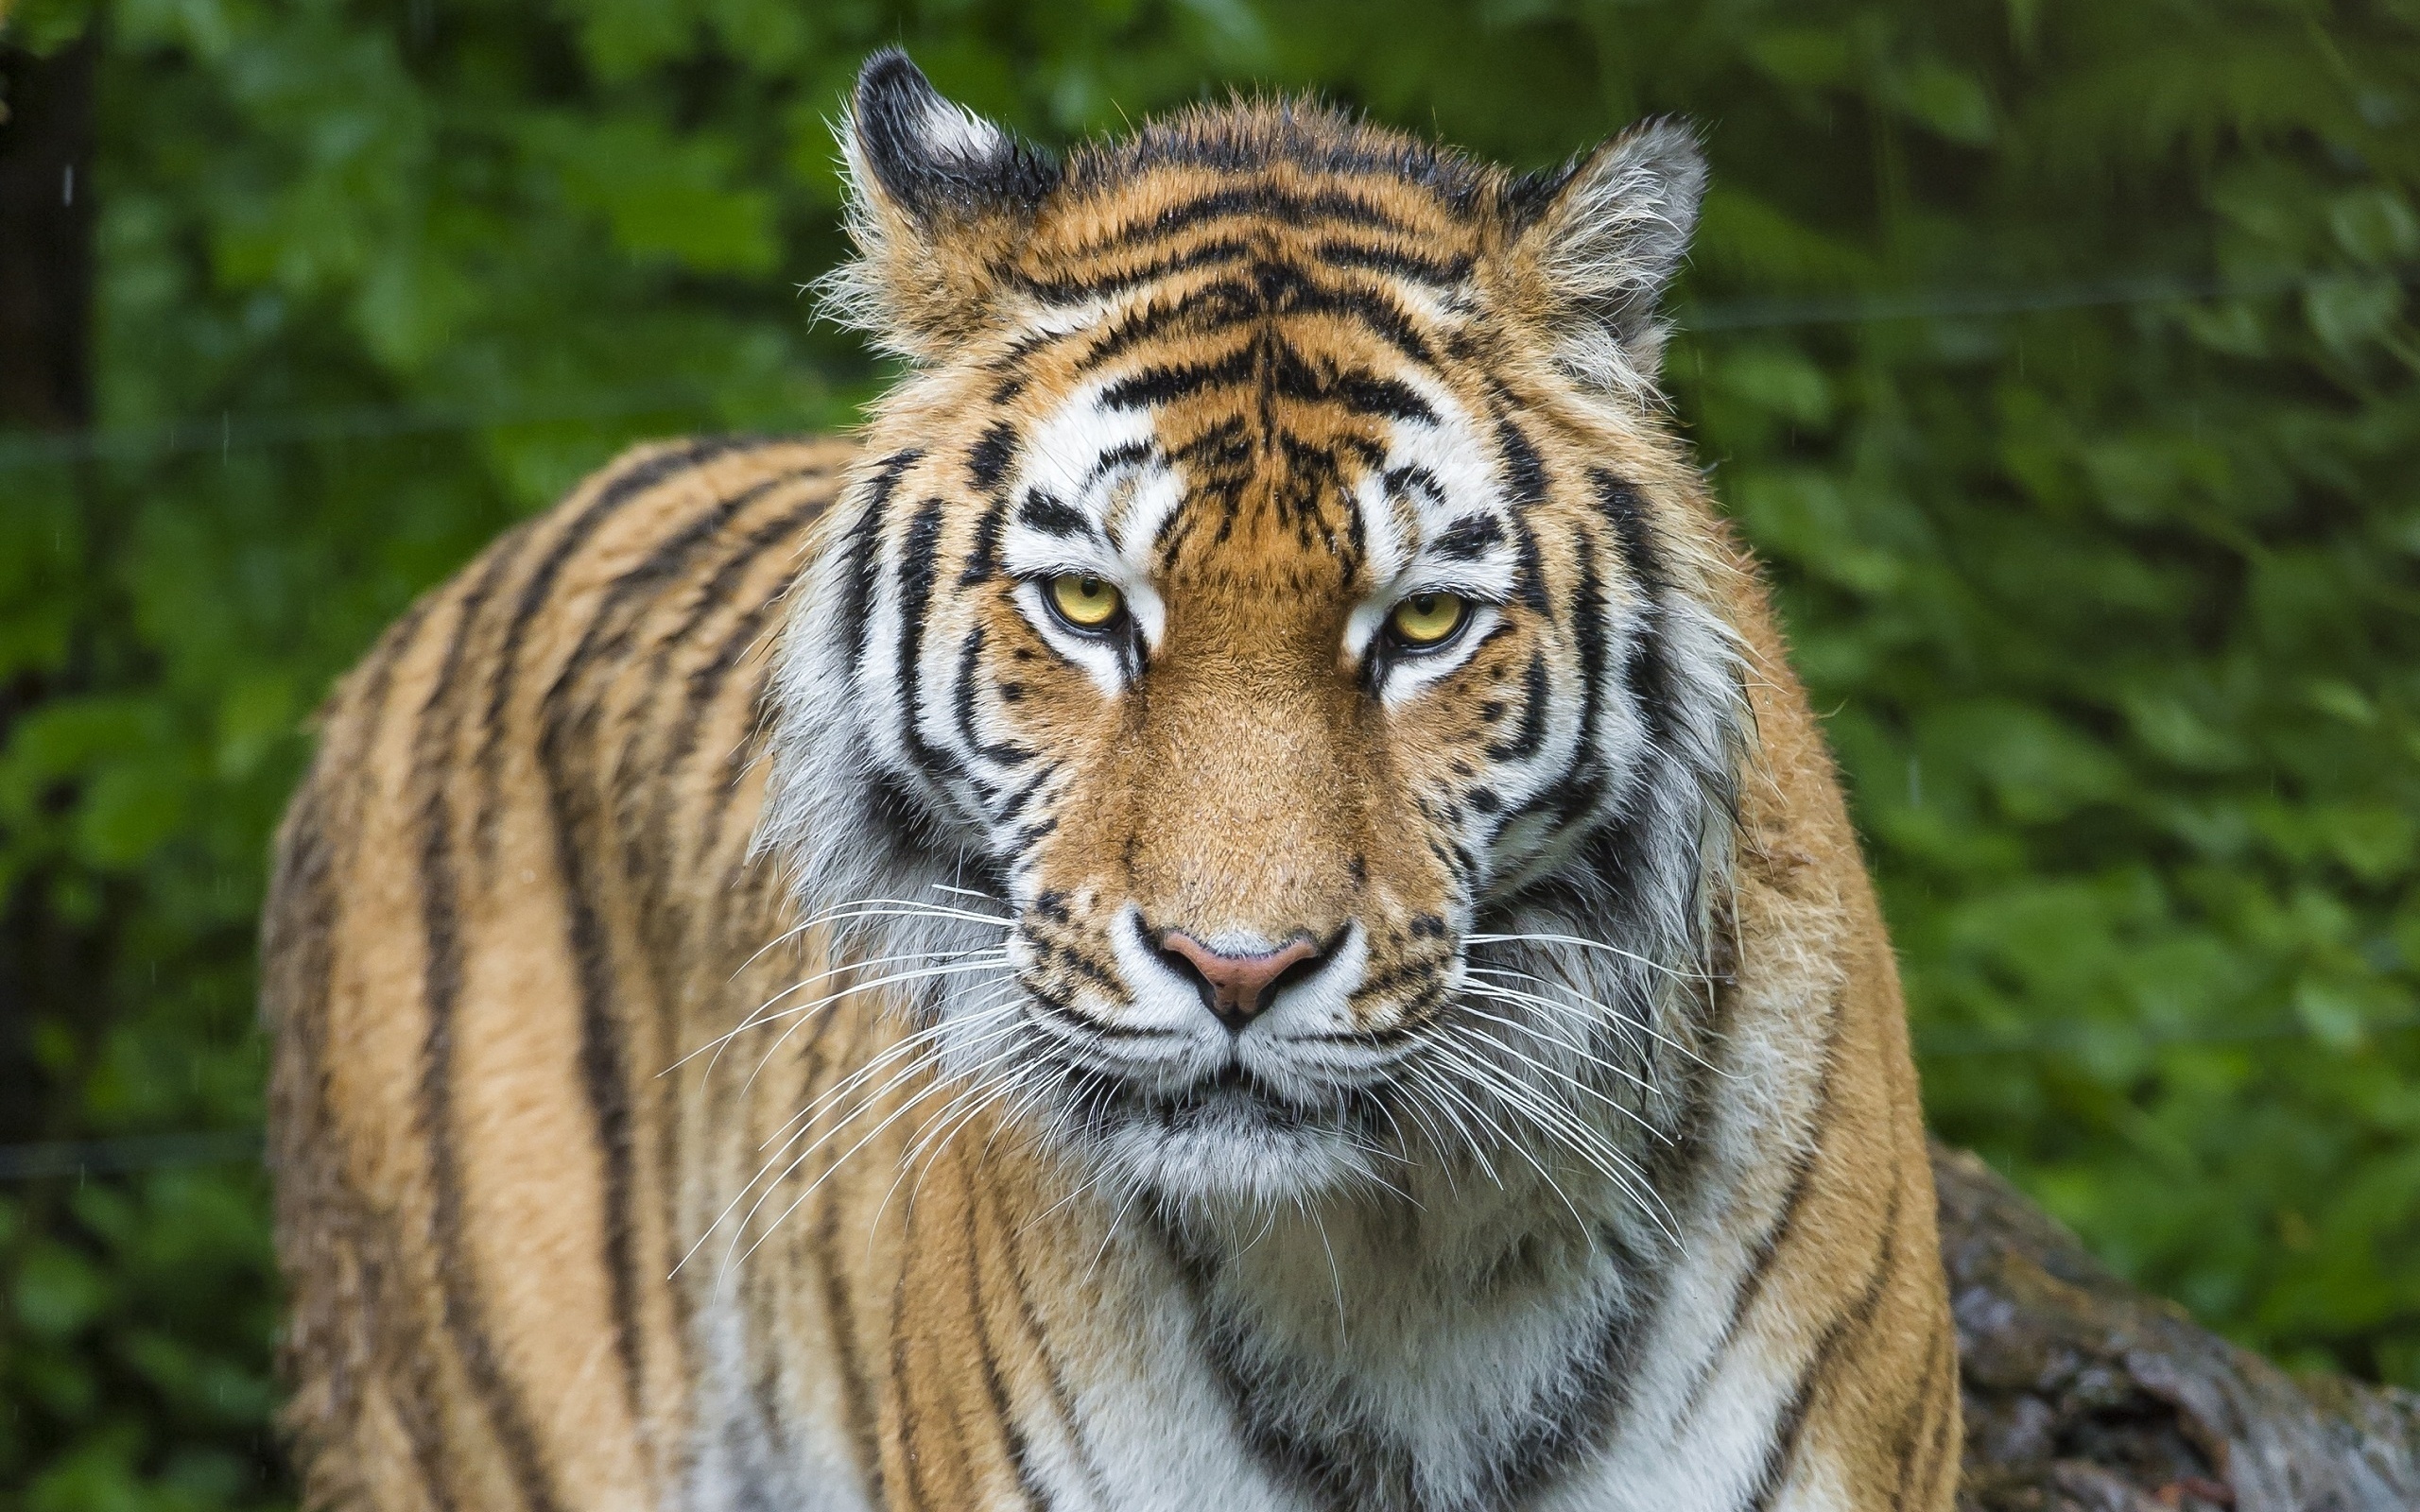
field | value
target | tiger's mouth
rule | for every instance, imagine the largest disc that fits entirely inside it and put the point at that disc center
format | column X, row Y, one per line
column 1232, row 1093
column 1226, row 1133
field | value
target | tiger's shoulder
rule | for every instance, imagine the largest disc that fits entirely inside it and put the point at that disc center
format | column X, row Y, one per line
column 547, row 764
column 665, row 522
column 654, row 586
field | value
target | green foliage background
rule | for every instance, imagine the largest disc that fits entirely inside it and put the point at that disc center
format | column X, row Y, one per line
column 2056, row 354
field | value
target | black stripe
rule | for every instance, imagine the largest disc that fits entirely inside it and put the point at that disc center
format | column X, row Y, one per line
column 1575, row 795
column 1394, row 262
column 604, row 1077
column 1530, row 569
column 1026, row 839
column 1532, row 734
column 918, row 558
column 773, row 1438
column 1947, row 1408
column 1077, row 290
column 705, row 680
column 1063, row 1404
column 1349, row 1463
column 1413, row 478
column 1356, row 532
column 706, row 599
column 1018, row 800
column 988, row 461
column 1469, row 537
column 1920, row 1425
column 298, row 952
column 612, row 493
column 1125, row 453
column 996, row 1389
column 1802, row 1177
column 461, row 1303
column 1211, row 309
column 1160, row 385
column 1525, row 473
column 1224, row 445
column 1597, row 1392
column 1783, row 1450
column 1259, row 198
column 983, row 558
column 911, row 1455
column 1356, row 391
column 1628, row 511
column 865, row 551
column 304, row 953
column 1044, row 512
column 848, row 1362
column 1654, row 683
column 1312, row 475
column 1005, row 753
column 705, row 684
column 1263, row 289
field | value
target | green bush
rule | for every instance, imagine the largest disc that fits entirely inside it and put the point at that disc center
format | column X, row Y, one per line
column 2056, row 355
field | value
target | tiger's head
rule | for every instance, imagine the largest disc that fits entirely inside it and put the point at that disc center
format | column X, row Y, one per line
column 1267, row 691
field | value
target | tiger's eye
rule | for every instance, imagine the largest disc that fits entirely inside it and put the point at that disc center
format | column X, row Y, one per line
column 1427, row 619
column 1084, row 601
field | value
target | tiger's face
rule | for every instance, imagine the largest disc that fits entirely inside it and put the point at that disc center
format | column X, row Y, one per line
column 1255, row 675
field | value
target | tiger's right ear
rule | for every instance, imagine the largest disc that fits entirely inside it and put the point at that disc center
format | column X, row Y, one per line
column 938, row 200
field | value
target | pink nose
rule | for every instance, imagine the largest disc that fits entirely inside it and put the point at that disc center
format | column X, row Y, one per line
column 1236, row 987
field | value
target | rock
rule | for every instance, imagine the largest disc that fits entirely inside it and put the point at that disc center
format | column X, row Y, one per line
column 2084, row 1395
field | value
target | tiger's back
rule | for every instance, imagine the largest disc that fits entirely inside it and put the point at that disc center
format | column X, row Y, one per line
column 661, row 1120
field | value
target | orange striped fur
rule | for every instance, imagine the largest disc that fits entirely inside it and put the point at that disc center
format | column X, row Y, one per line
column 775, row 1008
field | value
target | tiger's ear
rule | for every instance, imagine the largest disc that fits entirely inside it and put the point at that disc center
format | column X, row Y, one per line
column 1592, row 249
column 938, row 197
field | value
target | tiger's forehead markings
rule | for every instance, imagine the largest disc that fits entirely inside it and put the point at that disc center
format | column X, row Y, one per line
column 1361, row 470
column 1286, row 399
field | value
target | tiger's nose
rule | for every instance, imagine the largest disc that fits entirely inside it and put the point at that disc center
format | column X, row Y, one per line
column 1236, row 988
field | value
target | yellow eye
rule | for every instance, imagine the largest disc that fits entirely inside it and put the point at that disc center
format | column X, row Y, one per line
column 1084, row 601
column 1427, row 619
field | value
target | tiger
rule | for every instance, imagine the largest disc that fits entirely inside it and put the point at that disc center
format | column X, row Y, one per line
column 1231, row 905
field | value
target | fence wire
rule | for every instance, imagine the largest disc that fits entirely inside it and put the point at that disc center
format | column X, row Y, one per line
column 231, row 432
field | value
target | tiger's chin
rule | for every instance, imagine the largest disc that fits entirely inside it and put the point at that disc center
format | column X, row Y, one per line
column 1222, row 1145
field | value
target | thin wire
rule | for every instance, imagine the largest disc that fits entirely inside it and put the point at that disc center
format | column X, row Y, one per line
column 371, row 422
column 357, row 423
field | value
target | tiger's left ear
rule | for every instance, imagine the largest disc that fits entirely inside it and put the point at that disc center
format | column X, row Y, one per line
column 938, row 200
column 1592, row 251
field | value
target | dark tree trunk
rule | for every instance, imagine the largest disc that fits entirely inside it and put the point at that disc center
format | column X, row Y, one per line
column 47, row 237
column 2084, row 1395
column 46, row 385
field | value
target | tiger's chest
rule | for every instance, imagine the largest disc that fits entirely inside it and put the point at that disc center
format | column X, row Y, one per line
column 1279, row 1381
column 1460, row 1356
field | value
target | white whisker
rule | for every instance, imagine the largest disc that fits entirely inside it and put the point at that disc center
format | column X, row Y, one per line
column 1622, row 1020
column 1563, row 1125
column 1499, row 994
column 977, row 961
column 804, row 1119
column 829, row 1171
column 906, row 908
column 1588, row 944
